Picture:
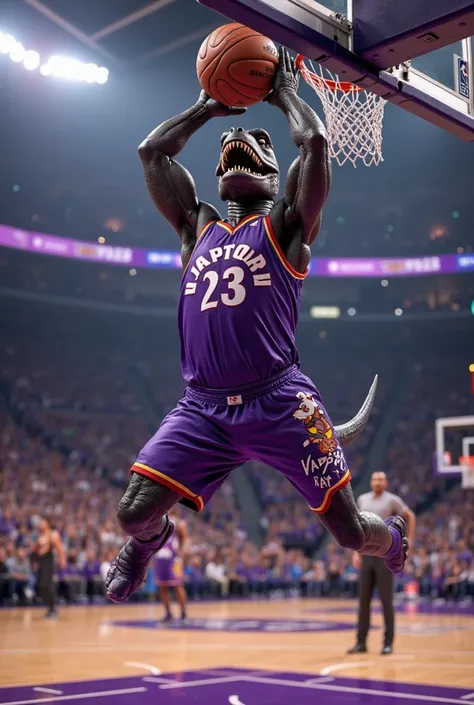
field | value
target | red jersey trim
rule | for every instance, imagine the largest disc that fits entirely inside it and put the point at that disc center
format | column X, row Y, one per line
column 205, row 228
column 326, row 503
column 201, row 234
column 279, row 252
column 231, row 229
column 163, row 479
column 227, row 226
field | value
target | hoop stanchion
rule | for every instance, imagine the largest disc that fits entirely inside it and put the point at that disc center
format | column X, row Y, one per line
column 354, row 117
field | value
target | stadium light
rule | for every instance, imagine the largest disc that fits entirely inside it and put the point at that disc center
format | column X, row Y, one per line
column 17, row 53
column 57, row 66
column 324, row 311
column 32, row 60
column 7, row 43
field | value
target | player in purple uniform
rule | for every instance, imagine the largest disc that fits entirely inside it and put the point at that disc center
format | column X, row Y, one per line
column 238, row 310
column 169, row 570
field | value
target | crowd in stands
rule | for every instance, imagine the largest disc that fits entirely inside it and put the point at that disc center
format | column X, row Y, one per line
column 68, row 436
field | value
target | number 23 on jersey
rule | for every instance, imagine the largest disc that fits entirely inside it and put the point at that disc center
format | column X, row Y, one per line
column 235, row 292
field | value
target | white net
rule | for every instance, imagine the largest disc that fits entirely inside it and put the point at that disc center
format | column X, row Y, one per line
column 467, row 473
column 354, row 117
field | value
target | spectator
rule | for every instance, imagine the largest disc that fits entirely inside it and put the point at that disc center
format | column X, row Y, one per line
column 20, row 573
column 92, row 576
column 5, row 582
column 216, row 573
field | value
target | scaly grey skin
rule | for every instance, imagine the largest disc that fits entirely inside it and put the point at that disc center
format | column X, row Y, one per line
column 296, row 219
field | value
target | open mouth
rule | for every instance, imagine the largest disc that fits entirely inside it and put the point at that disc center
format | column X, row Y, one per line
column 238, row 156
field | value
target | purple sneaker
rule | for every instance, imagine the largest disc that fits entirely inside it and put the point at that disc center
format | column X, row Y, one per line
column 127, row 572
column 395, row 558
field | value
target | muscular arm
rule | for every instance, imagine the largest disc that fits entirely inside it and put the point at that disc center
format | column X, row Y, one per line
column 309, row 177
column 410, row 519
column 170, row 185
column 59, row 546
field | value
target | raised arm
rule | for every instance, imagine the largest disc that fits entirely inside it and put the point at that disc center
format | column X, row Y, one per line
column 171, row 186
column 309, row 177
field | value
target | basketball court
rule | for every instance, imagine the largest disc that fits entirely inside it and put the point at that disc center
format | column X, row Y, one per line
column 235, row 652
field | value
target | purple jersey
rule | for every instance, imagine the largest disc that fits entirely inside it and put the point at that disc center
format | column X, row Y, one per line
column 246, row 397
column 238, row 307
column 168, row 565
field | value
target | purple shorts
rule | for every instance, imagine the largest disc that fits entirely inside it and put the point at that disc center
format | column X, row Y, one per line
column 168, row 571
column 280, row 422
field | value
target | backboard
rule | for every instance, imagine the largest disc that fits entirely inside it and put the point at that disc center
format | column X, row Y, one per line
column 454, row 438
column 416, row 55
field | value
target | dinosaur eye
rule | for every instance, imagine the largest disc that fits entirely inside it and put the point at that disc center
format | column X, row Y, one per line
column 262, row 141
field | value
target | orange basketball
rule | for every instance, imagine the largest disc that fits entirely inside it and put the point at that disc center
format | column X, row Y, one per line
column 236, row 65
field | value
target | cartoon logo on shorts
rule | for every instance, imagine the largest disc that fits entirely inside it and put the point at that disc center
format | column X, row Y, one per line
column 317, row 426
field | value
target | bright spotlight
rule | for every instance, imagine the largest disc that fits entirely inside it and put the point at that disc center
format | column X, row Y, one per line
column 102, row 75
column 17, row 53
column 73, row 70
column 31, row 60
column 90, row 73
column 59, row 66
column 7, row 43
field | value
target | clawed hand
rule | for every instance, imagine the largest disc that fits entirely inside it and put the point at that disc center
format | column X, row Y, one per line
column 286, row 78
column 218, row 109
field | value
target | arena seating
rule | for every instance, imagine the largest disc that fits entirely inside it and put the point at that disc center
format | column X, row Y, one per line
column 73, row 419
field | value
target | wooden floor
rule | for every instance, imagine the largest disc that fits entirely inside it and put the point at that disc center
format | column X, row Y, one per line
column 84, row 644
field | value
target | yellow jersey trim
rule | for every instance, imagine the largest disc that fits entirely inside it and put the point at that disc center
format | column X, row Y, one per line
column 169, row 482
column 326, row 503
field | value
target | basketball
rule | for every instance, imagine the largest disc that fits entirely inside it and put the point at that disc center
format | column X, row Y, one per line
column 236, row 65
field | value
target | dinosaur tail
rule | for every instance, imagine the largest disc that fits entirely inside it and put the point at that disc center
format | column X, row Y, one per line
column 347, row 433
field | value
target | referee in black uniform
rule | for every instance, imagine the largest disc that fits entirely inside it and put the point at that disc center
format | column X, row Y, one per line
column 373, row 571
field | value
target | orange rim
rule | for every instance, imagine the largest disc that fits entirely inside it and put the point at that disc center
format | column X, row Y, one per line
column 311, row 77
column 467, row 461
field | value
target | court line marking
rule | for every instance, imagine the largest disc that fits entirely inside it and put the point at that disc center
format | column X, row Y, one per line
column 149, row 679
column 204, row 681
column 244, row 672
column 205, row 646
column 202, row 646
column 314, row 681
column 235, row 700
column 50, row 691
column 360, row 691
column 147, row 666
column 78, row 696
column 342, row 666
column 469, row 696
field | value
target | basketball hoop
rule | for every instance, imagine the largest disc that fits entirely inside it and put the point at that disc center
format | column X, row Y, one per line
column 354, row 116
column 467, row 464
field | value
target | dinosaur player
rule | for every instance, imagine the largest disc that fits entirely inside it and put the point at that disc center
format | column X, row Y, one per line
column 238, row 311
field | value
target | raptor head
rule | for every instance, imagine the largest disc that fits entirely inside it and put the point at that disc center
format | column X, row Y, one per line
column 248, row 169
